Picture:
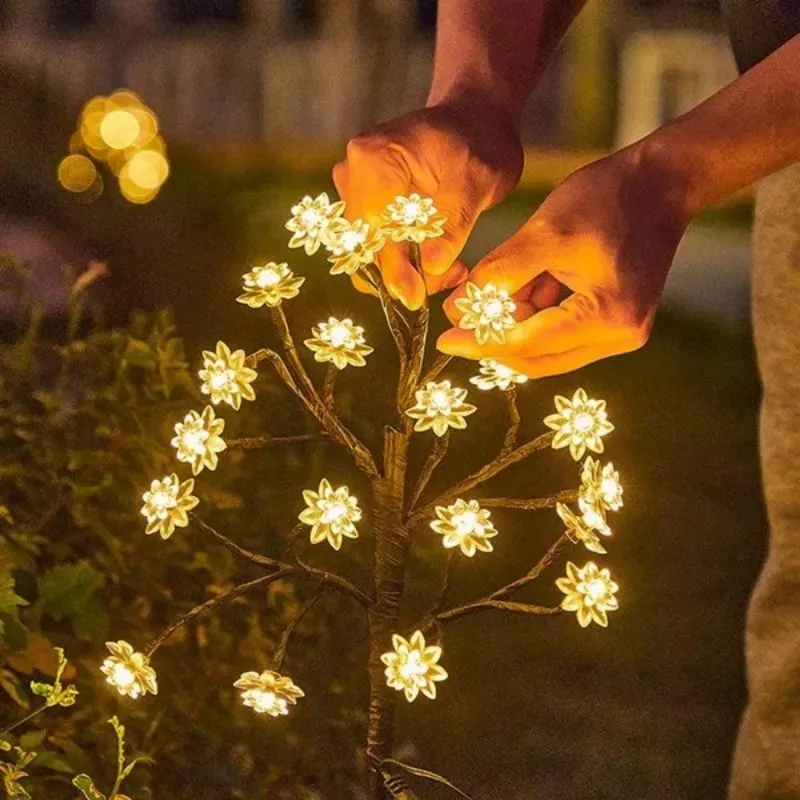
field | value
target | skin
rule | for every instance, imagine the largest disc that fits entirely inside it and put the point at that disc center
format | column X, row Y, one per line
column 589, row 267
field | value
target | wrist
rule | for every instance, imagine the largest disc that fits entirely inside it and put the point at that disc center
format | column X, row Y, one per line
column 479, row 98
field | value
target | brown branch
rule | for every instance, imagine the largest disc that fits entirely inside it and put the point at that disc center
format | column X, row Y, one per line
column 447, row 578
column 225, row 597
column 544, row 562
column 390, row 312
column 280, row 650
column 433, row 460
column 486, row 472
column 441, row 361
column 300, row 571
column 314, row 405
column 499, row 605
column 514, row 420
column 259, row 442
column 329, row 386
column 531, row 503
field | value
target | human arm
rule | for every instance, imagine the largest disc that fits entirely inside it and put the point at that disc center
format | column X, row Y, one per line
column 463, row 149
column 609, row 232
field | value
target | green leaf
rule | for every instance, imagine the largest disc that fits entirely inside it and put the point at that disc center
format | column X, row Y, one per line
column 68, row 591
column 32, row 739
column 49, row 759
column 87, row 787
column 13, row 688
column 139, row 354
column 41, row 689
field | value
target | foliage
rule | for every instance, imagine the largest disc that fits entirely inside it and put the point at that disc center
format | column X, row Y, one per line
column 85, row 416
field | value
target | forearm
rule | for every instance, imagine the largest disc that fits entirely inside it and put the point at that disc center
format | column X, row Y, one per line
column 743, row 133
column 495, row 50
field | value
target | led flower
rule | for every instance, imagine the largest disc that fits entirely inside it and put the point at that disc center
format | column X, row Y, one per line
column 197, row 439
column 413, row 218
column 269, row 692
column 494, row 375
column 600, row 485
column 331, row 513
column 353, row 245
column 412, row 667
column 225, row 376
column 579, row 530
column 129, row 672
column 440, row 406
column 466, row 525
column 580, row 423
column 167, row 504
column 488, row 311
column 269, row 285
column 590, row 592
column 340, row 342
column 311, row 221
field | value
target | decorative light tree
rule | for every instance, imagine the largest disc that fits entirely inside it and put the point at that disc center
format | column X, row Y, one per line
column 410, row 661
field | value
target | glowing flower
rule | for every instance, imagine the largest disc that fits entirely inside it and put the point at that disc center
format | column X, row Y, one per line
column 590, row 592
column 167, row 504
column 311, row 221
column 129, row 672
column 340, row 342
column 488, row 311
column 600, row 486
column 331, row 513
column 269, row 285
column 466, row 525
column 412, row 667
column 579, row 423
column 353, row 245
column 579, row 530
column 413, row 218
column 440, row 406
column 269, row 692
column 225, row 376
column 197, row 439
column 494, row 375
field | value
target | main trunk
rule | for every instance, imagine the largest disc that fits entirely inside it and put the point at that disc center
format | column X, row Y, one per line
column 391, row 550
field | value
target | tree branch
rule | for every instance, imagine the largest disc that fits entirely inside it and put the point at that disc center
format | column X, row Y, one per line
column 441, row 361
column 438, row 452
column 329, row 386
column 502, row 462
column 390, row 312
column 544, row 562
column 280, row 650
column 532, row 503
column 514, row 420
column 499, row 605
column 260, row 442
column 225, row 597
column 300, row 571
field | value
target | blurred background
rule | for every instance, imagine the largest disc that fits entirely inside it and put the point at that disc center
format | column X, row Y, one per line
column 255, row 100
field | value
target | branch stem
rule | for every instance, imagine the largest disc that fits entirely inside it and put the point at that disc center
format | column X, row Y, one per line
column 27, row 718
column 438, row 452
column 288, row 631
column 261, row 442
column 531, row 503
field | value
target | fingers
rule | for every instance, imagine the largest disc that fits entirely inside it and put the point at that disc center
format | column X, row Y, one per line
column 402, row 281
column 559, row 363
column 439, row 254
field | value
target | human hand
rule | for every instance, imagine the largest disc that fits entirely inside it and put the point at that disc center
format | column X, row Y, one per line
column 607, row 235
column 467, row 156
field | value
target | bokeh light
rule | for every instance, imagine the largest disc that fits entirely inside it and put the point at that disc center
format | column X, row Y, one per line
column 121, row 132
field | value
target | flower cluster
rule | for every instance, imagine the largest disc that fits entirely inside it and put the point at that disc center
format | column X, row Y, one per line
column 198, row 439
column 579, row 423
column 412, row 667
column 331, row 513
column 269, row 285
column 129, row 672
column 589, row 592
column 339, row 342
column 166, row 505
column 494, row 375
column 268, row 692
column 488, row 311
column 466, row 525
column 440, row 406
column 225, row 376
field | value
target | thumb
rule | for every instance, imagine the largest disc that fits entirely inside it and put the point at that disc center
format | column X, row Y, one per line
column 439, row 254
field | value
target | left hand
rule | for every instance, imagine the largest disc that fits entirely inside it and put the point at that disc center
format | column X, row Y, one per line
column 607, row 235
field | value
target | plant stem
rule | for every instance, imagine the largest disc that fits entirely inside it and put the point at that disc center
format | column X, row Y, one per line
column 441, row 361
column 532, row 503
column 499, row 605
column 514, row 420
column 329, row 386
column 392, row 544
column 225, row 597
column 502, row 462
column 260, row 442
column 544, row 562
column 433, row 460
column 26, row 718
column 280, row 650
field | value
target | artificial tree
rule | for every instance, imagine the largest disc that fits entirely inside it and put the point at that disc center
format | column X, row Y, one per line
column 399, row 509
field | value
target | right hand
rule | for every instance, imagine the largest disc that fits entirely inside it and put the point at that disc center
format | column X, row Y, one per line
column 467, row 157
